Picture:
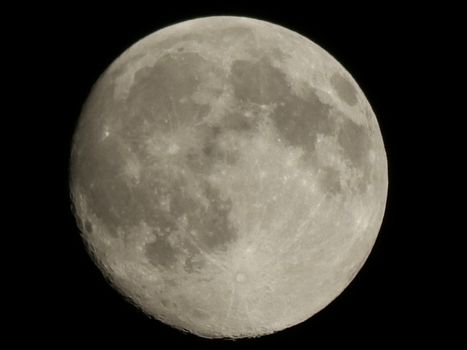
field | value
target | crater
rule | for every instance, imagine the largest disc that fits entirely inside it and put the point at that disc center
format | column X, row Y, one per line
column 210, row 151
column 117, row 201
column 193, row 263
column 216, row 154
column 195, row 222
column 160, row 253
column 107, row 194
column 168, row 304
column 88, row 226
column 344, row 88
column 209, row 222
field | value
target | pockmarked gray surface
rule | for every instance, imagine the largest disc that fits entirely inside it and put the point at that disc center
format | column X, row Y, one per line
column 228, row 176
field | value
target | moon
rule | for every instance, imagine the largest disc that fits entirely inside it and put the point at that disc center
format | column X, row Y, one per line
column 228, row 176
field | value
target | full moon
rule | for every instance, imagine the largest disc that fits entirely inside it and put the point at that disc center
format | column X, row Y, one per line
column 228, row 176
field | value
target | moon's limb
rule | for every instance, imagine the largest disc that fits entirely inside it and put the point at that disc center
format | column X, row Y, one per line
column 229, row 176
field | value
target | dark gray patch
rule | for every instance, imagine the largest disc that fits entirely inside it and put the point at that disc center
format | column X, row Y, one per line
column 160, row 253
column 344, row 88
column 192, row 264
column 258, row 82
column 169, row 304
column 172, row 282
column 330, row 180
column 215, row 154
column 239, row 122
column 355, row 142
column 202, row 159
column 107, row 195
column 160, row 95
column 211, row 148
column 88, row 226
column 299, row 120
column 197, row 162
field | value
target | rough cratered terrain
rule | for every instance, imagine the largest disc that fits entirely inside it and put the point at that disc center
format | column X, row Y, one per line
column 228, row 176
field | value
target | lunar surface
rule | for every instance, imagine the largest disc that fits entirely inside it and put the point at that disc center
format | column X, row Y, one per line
column 228, row 176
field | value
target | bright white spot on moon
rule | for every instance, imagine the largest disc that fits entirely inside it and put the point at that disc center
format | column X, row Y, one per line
column 173, row 148
column 226, row 186
column 240, row 277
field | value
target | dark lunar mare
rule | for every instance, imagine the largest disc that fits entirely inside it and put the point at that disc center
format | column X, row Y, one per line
column 160, row 93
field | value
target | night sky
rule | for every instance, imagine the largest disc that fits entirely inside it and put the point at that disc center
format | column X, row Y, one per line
column 388, row 50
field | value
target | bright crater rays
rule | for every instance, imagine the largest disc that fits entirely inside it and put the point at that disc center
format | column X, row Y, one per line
column 228, row 176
